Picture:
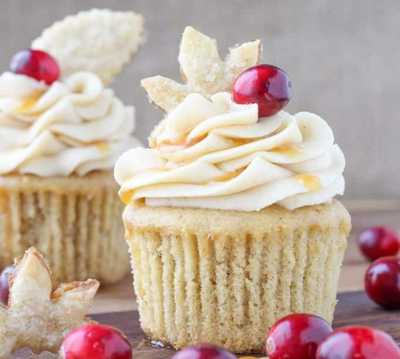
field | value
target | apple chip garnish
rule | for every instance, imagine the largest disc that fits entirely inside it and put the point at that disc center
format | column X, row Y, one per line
column 99, row 40
column 39, row 314
column 202, row 69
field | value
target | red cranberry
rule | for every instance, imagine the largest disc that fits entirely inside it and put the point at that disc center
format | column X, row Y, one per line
column 297, row 336
column 95, row 341
column 36, row 64
column 266, row 85
column 382, row 282
column 203, row 351
column 379, row 242
column 4, row 284
column 360, row 343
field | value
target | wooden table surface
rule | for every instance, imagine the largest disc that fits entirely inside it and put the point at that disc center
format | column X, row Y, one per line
column 119, row 297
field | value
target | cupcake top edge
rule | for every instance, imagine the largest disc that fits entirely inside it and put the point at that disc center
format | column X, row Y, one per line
column 226, row 141
column 57, row 115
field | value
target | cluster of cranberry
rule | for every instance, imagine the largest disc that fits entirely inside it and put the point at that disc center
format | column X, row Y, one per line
column 297, row 336
column 305, row 336
column 382, row 278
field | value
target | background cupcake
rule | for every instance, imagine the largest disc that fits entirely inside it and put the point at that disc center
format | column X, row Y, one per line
column 62, row 130
column 230, row 215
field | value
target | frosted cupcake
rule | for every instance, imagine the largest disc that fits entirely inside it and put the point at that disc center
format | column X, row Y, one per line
column 231, row 218
column 61, row 132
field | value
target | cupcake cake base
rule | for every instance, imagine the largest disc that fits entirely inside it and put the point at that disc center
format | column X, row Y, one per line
column 74, row 221
column 225, row 277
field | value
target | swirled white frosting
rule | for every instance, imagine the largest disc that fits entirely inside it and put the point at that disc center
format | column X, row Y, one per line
column 74, row 126
column 214, row 153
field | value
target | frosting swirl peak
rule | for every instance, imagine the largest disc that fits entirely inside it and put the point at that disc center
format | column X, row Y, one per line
column 74, row 126
column 214, row 153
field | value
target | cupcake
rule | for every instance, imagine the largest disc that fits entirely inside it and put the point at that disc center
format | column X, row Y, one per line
column 230, row 214
column 61, row 130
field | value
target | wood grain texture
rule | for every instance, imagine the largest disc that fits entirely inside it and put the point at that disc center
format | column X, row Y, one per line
column 353, row 308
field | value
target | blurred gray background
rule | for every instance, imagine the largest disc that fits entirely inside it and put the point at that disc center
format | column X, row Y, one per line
column 343, row 58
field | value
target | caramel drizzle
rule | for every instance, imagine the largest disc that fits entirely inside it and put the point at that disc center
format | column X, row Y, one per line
column 181, row 144
column 289, row 150
column 312, row 183
column 29, row 102
column 242, row 141
column 102, row 146
column 229, row 175
column 126, row 197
